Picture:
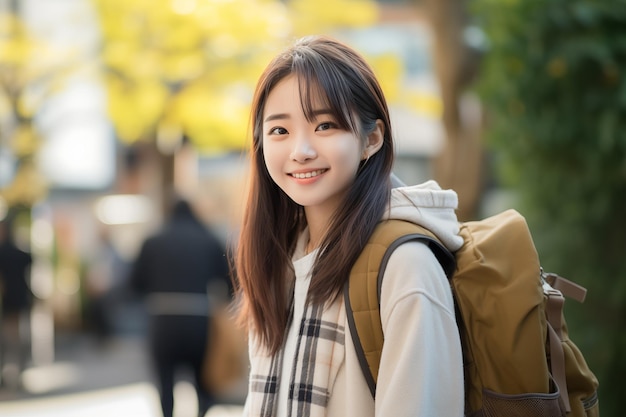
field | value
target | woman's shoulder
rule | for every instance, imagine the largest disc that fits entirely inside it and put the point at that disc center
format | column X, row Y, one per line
column 414, row 257
column 413, row 271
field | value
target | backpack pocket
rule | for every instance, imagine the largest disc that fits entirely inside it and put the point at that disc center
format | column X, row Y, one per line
column 592, row 406
column 521, row 405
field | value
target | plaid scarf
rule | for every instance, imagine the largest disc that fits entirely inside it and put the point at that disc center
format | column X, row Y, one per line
column 319, row 354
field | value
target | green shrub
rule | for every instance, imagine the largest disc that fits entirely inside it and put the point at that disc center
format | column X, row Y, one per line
column 553, row 82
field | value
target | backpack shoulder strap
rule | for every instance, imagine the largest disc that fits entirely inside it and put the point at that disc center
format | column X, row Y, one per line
column 362, row 289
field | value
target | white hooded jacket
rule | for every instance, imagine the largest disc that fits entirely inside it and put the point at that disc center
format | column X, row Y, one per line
column 421, row 370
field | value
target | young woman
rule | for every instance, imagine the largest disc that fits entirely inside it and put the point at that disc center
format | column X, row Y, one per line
column 321, row 162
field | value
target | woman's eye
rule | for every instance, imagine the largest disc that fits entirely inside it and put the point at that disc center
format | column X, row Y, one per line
column 325, row 126
column 278, row 131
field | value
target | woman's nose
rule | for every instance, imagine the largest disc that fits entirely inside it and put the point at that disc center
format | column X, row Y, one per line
column 303, row 150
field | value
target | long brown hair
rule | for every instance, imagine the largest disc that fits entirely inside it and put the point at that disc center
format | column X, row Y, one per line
column 272, row 222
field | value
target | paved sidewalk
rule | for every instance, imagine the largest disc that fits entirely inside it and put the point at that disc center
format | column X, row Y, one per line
column 137, row 400
column 88, row 379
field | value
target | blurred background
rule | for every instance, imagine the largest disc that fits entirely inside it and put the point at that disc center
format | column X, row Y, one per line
column 106, row 106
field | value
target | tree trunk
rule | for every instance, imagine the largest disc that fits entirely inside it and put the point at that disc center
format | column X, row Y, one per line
column 460, row 164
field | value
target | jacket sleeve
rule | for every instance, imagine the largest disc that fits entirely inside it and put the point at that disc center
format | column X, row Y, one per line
column 421, row 369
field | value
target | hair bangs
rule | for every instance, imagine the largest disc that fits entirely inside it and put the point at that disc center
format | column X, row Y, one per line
column 321, row 88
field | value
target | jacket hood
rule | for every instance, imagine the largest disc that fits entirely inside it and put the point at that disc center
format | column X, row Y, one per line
column 429, row 206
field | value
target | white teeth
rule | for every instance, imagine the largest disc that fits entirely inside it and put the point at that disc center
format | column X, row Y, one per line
column 302, row 175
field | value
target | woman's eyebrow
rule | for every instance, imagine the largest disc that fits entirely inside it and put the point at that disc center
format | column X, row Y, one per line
column 277, row 116
column 283, row 116
column 322, row 112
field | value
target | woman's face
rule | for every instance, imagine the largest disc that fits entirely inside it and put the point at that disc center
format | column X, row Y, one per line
column 315, row 162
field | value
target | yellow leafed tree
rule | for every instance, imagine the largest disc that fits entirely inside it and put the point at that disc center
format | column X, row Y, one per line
column 31, row 71
column 188, row 67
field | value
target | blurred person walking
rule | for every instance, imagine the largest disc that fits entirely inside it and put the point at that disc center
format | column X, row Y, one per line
column 174, row 269
column 16, row 303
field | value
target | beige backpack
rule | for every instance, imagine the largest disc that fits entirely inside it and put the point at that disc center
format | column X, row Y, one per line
column 518, row 358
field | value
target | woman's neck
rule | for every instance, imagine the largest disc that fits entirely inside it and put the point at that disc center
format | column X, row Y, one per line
column 318, row 224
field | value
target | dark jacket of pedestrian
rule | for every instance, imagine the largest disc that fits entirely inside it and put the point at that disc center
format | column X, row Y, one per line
column 14, row 265
column 173, row 270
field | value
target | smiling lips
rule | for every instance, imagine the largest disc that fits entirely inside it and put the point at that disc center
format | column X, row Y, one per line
column 310, row 174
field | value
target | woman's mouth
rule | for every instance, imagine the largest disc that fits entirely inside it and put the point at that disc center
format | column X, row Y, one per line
column 309, row 174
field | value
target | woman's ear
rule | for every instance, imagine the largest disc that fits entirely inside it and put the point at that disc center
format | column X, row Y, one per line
column 375, row 140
